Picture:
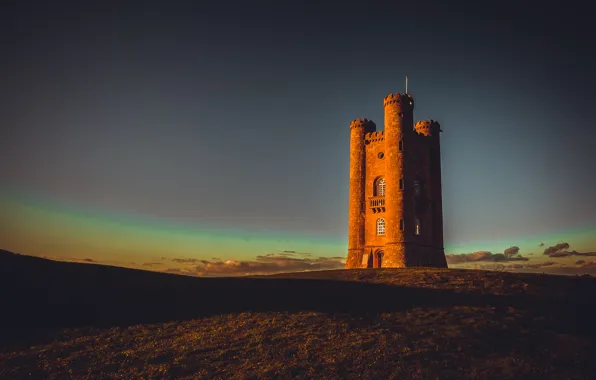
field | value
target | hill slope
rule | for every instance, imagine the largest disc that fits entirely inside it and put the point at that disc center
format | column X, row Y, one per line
column 78, row 320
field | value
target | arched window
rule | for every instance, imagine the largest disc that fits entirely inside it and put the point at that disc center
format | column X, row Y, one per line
column 417, row 229
column 381, row 226
column 381, row 187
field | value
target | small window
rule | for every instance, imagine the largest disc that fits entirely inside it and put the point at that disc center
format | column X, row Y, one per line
column 417, row 188
column 417, row 229
column 381, row 155
column 401, row 145
column 401, row 224
column 401, row 183
column 381, row 226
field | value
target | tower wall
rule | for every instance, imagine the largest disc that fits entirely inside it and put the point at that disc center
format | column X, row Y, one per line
column 399, row 126
column 356, row 220
column 423, row 201
column 439, row 258
column 375, row 169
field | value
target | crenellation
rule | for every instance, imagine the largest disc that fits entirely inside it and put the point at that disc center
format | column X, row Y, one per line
column 399, row 98
column 427, row 128
column 367, row 124
column 372, row 137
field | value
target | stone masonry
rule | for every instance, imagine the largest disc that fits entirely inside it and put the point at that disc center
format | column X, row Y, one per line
column 395, row 208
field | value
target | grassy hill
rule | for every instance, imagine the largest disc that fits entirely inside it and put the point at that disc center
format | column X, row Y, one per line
column 84, row 320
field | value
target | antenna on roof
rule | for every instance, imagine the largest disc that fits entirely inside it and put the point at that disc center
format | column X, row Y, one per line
column 406, row 84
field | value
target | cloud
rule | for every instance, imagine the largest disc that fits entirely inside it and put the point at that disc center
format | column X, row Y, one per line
column 152, row 264
column 268, row 264
column 560, row 254
column 65, row 259
column 289, row 254
column 185, row 261
column 581, row 267
column 515, row 266
column 557, row 251
column 586, row 264
column 584, row 253
column 540, row 265
column 560, row 250
column 179, row 271
column 556, row 248
column 77, row 260
column 511, row 251
column 511, row 260
column 484, row 256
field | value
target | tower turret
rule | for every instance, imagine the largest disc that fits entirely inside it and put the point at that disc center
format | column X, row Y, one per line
column 432, row 216
column 358, row 128
column 399, row 124
column 426, row 127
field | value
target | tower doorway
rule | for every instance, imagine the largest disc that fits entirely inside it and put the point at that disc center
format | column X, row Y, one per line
column 378, row 259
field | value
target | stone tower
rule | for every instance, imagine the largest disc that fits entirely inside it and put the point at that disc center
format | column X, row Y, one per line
column 395, row 210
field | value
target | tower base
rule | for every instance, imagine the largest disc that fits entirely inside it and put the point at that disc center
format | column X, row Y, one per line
column 399, row 255
column 355, row 258
column 395, row 256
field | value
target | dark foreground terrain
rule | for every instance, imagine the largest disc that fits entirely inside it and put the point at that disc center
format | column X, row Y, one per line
column 69, row 320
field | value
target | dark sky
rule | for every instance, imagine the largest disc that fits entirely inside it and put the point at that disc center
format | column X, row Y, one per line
column 237, row 113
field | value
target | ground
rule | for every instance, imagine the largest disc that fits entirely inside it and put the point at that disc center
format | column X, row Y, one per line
column 80, row 321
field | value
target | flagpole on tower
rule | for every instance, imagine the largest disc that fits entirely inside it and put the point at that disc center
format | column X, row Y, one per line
column 406, row 84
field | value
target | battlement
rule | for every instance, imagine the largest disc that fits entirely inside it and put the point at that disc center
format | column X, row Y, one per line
column 427, row 127
column 399, row 98
column 374, row 136
column 362, row 123
column 369, row 125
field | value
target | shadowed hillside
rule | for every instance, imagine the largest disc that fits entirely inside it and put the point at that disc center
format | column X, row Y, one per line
column 106, row 320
